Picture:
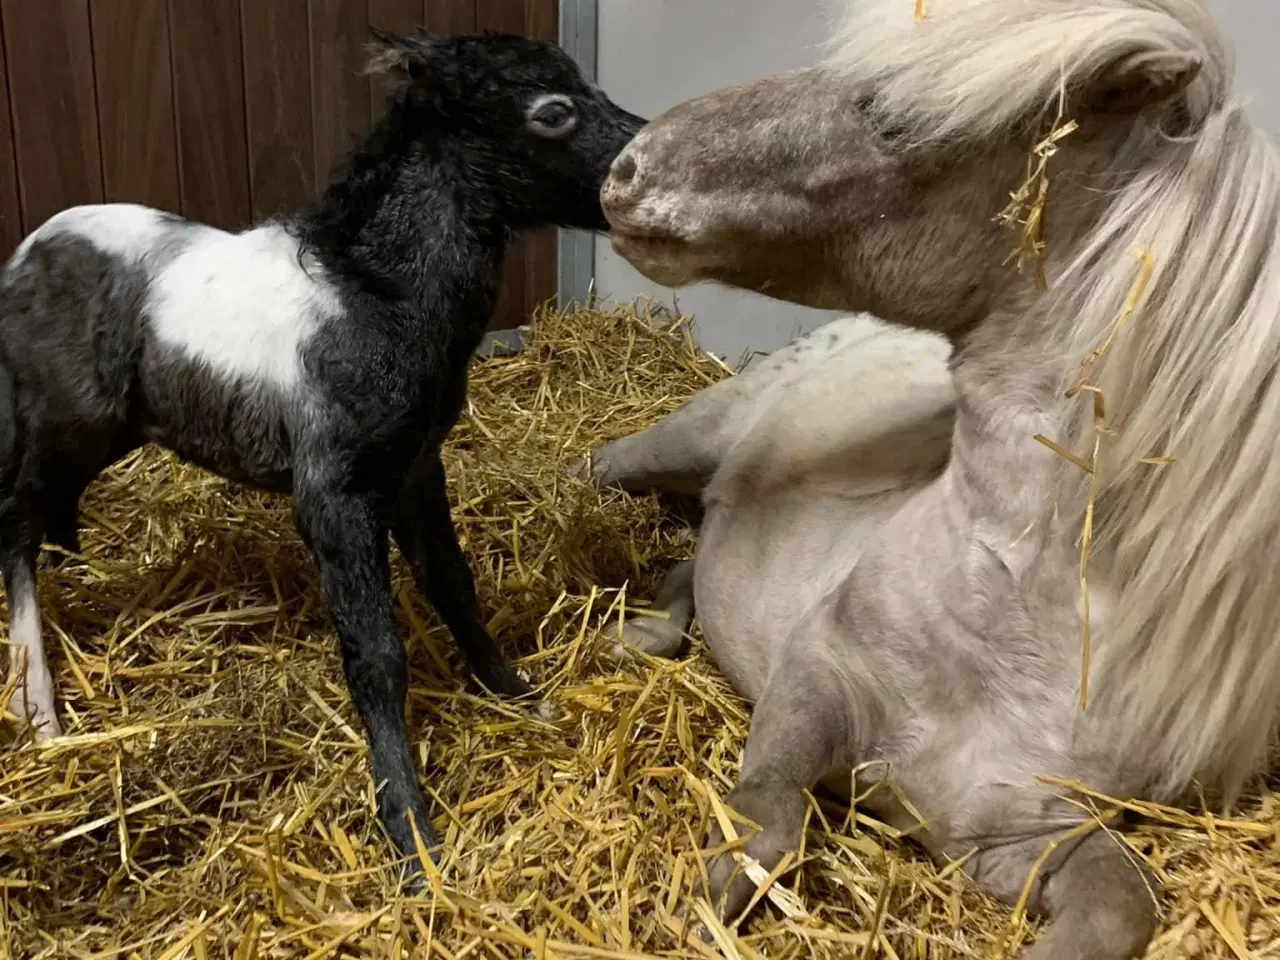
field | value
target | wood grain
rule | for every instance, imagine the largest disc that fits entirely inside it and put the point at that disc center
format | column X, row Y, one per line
column 278, row 120
column 54, row 109
column 340, row 95
column 136, row 115
column 450, row 16
column 208, row 74
column 10, row 205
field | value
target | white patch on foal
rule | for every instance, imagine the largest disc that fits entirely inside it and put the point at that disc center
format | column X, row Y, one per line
column 33, row 696
column 242, row 303
column 125, row 230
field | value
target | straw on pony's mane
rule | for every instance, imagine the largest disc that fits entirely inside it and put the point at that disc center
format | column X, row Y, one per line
column 1190, row 656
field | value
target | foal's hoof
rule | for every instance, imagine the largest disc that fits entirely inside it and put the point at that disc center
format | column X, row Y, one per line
column 46, row 729
column 503, row 680
column 39, row 716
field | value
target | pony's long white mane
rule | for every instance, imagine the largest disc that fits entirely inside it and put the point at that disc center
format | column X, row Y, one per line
column 1191, row 655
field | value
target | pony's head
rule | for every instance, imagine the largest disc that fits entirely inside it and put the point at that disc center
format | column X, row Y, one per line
column 533, row 125
column 873, row 181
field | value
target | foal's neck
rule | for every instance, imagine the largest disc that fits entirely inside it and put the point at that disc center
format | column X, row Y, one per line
column 412, row 215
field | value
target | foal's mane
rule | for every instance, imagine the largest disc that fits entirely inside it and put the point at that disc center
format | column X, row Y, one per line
column 1191, row 653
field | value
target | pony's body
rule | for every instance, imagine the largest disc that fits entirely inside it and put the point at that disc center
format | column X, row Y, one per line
column 323, row 355
column 824, row 476
column 940, row 628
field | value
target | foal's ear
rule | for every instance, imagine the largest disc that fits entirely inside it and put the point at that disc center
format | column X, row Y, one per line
column 391, row 53
column 1142, row 79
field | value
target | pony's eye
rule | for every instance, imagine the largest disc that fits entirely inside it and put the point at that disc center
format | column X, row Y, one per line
column 552, row 116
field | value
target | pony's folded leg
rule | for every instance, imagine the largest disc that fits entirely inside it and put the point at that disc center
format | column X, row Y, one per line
column 801, row 730
column 661, row 636
column 1100, row 903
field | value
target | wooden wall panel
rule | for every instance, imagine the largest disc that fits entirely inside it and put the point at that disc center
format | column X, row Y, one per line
column 278, row 119
column 450, row 16
column 10, row 206
column 340, row 95
column 530, row 275
column 400, row 16
column 541, row 20
column 55, row 118
column 136, row 117
column 208, row 73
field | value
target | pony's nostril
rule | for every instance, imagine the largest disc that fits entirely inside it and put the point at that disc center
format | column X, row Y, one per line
column 624, row 170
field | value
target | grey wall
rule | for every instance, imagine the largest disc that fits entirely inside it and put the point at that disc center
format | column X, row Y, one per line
column 1253, row 26
column 653, row 54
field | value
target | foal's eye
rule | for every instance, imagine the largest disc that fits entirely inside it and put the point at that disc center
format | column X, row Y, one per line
column 552, row 116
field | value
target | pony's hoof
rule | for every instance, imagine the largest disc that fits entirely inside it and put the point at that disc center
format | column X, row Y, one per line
column 579, row 469
column 653, row 636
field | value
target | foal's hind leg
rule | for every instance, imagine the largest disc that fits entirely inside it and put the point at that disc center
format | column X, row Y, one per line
column 1101, row 905
column 60, row 507
column 661, row 636
column 33, row 696
column 423, row 528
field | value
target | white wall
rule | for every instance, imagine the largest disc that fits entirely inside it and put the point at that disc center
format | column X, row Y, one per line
column 653, row 54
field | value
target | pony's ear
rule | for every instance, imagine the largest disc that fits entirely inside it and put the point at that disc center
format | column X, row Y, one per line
column 391, row 53
column 1140, row 80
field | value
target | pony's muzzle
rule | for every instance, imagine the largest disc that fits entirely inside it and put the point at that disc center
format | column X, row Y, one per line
column 623, row 186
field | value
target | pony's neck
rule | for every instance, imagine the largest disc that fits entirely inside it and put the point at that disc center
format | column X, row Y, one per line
column 414, row 211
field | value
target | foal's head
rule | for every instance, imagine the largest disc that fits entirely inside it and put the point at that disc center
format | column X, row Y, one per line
column 538, row 137
column 874, row 180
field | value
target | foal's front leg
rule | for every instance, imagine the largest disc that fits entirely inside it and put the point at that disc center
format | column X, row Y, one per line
column 348, row 538
column 423, row 528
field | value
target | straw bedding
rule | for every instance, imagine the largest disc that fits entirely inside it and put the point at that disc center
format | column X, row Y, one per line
column 212, row 798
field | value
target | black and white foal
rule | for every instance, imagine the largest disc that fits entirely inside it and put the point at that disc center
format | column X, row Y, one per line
column 322, row 355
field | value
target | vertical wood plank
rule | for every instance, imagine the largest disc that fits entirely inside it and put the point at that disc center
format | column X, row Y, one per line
column 208, row 74
column 542, row 20
column 135, row 100
column 530, row 274
column 340, row 96
column 398, row 16
column 500, row 16
column 449, row 16
column 278, row 122
column 10, row 206
column 55, row 117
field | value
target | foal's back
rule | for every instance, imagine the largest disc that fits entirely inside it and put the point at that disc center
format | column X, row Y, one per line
column 196, row 337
